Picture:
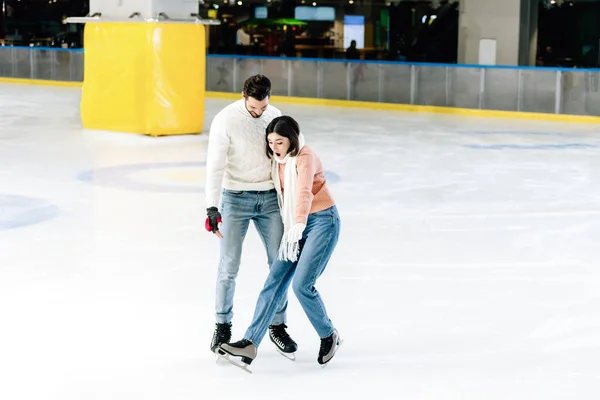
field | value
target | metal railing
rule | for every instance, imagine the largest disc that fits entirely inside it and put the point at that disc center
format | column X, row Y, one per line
column 527, row 89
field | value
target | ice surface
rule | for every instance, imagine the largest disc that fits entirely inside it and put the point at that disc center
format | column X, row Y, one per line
column 468, row 265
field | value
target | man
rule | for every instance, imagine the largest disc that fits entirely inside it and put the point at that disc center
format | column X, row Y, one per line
column 238, row 181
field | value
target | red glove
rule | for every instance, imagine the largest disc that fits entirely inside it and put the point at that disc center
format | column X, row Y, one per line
column 213, row 219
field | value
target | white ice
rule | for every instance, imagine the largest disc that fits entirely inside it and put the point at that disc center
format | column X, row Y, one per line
column 468, row 266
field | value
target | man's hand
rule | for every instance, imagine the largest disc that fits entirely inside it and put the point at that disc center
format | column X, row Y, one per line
column 213, row 220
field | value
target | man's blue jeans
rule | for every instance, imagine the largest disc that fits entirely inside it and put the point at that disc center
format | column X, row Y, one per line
column 237, row 210
column 316, row 246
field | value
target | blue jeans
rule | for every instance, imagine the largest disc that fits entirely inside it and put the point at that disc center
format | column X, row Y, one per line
column 316, row 246
column 238, row 208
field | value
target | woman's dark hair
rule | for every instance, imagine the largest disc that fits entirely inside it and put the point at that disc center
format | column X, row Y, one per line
column 285, row 126
column 258, row 87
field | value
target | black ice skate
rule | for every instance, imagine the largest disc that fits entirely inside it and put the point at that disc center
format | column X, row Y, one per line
column 329, row 346
column 222, row 335
column 285, row 344
column 244, row 349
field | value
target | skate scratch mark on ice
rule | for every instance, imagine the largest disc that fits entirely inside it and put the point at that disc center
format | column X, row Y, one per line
column 532, row 147
column 496, row 214
column 523, row 133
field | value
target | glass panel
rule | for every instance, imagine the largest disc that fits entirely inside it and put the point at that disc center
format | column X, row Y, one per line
column 6, row 57
column 539, row 90
column 364, row 81
column 501, row 89
column 22, row 63
column 581, row 93
column 277, row 72
column 431, row 86
column 304, row 79
column 246, row 67
column 396, row 83
column 62, row 65
column 43, row 63
column 76, row 68
column 464, row 87
column 334, row 80
column 219, row 74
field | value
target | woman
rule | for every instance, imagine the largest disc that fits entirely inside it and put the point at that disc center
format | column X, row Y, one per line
column 311, row 226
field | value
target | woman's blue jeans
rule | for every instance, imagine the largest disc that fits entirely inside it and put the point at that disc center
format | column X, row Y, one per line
column 316, row 246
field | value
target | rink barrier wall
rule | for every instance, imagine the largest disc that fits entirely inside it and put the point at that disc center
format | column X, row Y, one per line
column 416, row 108
column 553, row 94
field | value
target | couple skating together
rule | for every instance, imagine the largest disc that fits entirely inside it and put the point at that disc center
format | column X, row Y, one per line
column 259, row 169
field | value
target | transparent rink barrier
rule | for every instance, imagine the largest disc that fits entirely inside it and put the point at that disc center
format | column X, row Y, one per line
column 41, row 63
column 543, row 90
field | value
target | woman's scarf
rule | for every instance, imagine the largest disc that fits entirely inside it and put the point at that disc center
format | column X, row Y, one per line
column 289, row 248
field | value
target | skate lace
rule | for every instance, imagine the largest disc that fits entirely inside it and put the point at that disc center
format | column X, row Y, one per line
column 326, row 344
column 223, row 333
column 280, row 335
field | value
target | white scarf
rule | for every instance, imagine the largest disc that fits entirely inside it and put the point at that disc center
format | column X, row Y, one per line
column 288, row 249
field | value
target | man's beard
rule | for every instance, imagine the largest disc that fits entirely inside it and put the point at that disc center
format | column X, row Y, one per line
column 252, row 114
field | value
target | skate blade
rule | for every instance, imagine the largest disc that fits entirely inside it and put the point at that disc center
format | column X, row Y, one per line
column 217, row 356
column 241, row 365
column 289, row 356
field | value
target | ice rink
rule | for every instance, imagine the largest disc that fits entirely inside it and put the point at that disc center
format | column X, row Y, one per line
column 468, row 267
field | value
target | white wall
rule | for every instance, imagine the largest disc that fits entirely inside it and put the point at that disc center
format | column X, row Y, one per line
column 489, row 19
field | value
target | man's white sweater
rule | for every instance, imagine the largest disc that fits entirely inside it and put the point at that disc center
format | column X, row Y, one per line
column 236, row 157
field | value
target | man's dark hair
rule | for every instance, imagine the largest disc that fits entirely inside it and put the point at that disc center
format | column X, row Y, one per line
column 287, row 127
column 258, row 87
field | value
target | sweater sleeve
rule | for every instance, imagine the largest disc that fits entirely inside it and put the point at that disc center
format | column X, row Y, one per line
column 216, row 159
column 307, row 167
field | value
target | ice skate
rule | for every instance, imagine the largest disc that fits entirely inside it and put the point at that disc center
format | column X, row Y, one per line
column 222, row 335
column 329, row 347
column 284, row 343
column 244, row 349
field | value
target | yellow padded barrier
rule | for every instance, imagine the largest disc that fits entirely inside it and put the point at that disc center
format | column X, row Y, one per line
column 146, row 78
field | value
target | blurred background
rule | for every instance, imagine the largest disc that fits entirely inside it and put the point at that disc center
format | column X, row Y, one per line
column 568, row 33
